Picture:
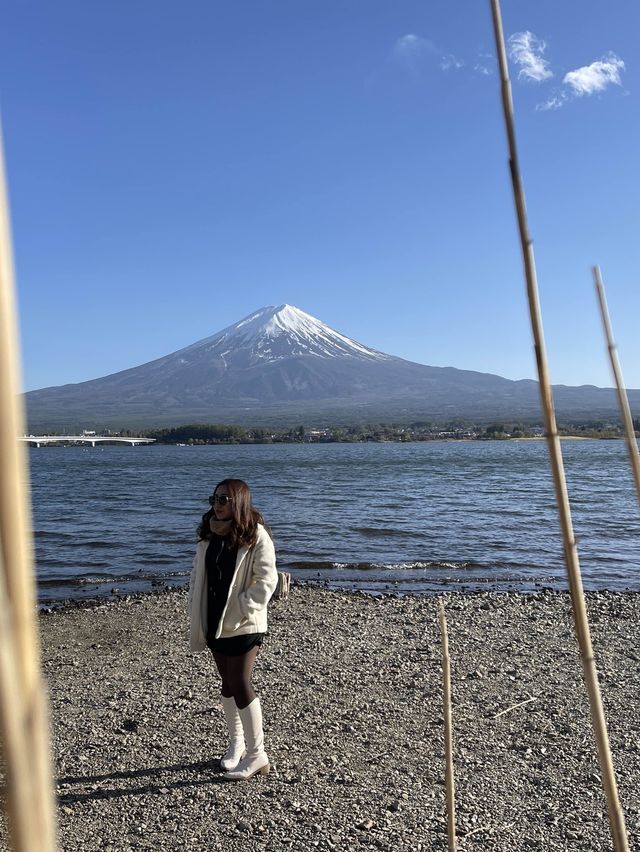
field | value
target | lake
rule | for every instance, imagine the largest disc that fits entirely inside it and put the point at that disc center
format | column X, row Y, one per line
column 390, row 517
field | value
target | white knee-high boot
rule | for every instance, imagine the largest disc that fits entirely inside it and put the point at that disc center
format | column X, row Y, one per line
column 235, row 749
column 256, row 759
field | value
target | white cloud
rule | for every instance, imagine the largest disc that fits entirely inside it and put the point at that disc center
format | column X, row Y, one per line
column 411, row 46
column 595, row 77
column 414, row 50
column 557, row 100
column 588, row 80
column 449, row 61
column 407, row 44
column 526, row 50
column 485, row 64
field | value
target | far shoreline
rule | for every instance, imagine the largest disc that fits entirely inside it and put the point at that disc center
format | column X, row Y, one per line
column 63, row 443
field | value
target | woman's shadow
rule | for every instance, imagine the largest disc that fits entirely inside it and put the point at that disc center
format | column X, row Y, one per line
column 202, row 772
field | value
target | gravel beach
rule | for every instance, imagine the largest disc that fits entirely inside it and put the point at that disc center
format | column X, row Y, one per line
column 351, row 691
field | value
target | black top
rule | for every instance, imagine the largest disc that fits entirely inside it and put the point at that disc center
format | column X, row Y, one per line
column 220, row 563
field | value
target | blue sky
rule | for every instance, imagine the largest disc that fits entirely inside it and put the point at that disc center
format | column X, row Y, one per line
column 174, row 166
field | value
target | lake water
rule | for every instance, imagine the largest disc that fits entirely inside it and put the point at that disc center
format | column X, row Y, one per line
column 422, row 518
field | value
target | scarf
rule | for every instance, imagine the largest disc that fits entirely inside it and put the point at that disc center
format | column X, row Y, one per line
column 221, row 528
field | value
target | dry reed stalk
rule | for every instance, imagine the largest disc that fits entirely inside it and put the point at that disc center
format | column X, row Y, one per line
column 623, row 400
column 448, row 732
column 616, row 818
column 515, row 706
column 23, row 706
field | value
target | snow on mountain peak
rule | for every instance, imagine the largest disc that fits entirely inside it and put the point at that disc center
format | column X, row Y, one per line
column 273, row 333
column 272, row 322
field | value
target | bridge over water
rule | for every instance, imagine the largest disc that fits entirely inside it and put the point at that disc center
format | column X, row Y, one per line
column 40, row 440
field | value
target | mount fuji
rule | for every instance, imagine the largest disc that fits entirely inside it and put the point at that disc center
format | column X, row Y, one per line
column 281, row 365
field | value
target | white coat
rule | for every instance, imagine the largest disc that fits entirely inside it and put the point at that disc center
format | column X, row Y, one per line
column 254, row 581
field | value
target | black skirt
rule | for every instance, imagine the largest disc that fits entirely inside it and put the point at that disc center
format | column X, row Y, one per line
column 236, row 646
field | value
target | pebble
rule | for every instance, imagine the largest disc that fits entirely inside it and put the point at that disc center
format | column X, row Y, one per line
column 351, row 691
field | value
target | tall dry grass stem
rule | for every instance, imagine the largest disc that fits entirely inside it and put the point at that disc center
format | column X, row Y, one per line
column 616, row 818
column 623, row 399
column 448, row 731
column 23, row 716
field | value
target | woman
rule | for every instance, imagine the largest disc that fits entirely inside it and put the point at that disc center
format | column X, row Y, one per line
column 233, row 576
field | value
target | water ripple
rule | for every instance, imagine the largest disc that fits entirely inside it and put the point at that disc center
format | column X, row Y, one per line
column 394, row 517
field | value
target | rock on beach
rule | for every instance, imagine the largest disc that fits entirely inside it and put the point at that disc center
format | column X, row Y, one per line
column 351, row 690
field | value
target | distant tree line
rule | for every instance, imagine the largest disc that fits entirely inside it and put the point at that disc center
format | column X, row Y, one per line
column 217, row 433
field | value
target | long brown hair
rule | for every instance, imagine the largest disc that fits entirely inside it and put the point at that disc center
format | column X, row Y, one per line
column 245, row 518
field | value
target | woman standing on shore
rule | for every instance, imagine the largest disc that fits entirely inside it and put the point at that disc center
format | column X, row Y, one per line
column 233, row 577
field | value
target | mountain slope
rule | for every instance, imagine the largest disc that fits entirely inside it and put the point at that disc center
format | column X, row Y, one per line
column 280, row 364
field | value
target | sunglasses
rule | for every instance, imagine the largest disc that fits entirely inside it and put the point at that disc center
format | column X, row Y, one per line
column 220, row 499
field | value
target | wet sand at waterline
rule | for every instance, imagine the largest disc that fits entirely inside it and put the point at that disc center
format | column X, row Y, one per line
column 351, row 691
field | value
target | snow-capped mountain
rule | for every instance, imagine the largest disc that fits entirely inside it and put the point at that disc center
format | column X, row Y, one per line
column 281, row 365
column 272, row 334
